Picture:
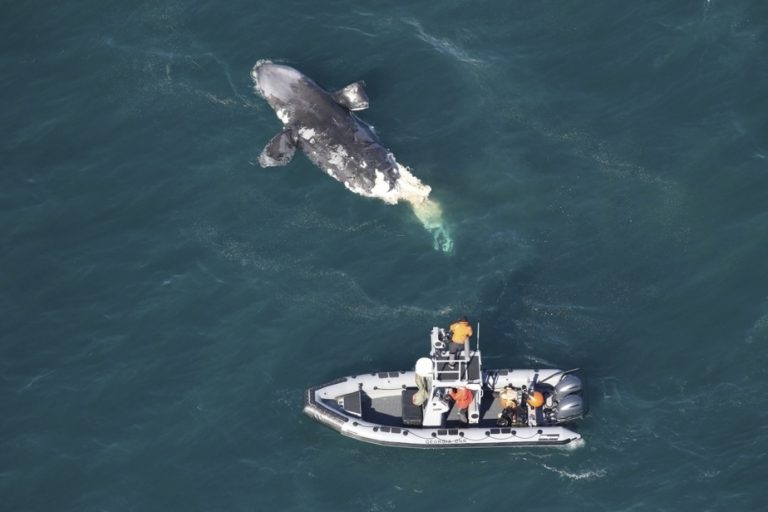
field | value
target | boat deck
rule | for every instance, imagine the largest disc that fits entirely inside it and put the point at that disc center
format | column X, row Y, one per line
column 388, row 411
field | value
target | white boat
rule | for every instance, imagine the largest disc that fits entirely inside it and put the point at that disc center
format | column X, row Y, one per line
column 379, row 407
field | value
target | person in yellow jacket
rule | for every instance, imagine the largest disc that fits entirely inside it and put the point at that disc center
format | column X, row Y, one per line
column 460, row 333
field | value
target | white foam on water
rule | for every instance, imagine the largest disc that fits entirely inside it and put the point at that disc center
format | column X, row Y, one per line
column 430, row 213
column 584, row 475
column 759, row 331
column 443, row 45
column 410, row 189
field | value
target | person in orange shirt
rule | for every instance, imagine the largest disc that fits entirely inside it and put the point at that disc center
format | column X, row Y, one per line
column 463, row 397
column 460, row 333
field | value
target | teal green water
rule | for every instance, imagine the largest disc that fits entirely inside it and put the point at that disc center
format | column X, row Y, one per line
column 164, row 301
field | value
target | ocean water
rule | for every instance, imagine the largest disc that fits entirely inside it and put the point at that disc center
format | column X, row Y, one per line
column 164, row 301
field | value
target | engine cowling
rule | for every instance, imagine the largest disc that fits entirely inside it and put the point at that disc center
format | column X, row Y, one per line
column 568, row 408
column 568, row 385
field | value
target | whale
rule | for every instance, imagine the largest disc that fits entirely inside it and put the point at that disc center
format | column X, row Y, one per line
column 324, row 126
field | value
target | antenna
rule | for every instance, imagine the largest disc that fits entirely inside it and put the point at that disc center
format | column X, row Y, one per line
column 565, row 372
column 478, row 336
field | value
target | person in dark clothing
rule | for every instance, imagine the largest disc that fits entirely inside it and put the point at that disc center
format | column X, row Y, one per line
column 510, row 408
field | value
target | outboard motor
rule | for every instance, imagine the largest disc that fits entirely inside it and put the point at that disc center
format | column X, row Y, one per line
column 570, row 407
column 568, row 385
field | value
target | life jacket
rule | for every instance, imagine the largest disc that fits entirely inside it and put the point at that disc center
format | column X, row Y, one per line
column 461, row 331
column 463, row 397
column 535, row 399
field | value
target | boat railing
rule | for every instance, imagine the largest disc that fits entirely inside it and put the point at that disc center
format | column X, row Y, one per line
column 467, row 361
column 442, row 360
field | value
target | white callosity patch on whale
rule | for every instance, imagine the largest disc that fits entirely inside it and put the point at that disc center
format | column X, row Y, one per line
column 284, row 115
column 382, row 190
column 338, row 156
column 307, row 134
column 339, row 159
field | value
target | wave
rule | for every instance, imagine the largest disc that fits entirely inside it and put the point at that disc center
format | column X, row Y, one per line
column 443, row 45
column 583, row 475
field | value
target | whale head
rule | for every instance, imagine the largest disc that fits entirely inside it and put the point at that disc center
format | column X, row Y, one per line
column 276, row 82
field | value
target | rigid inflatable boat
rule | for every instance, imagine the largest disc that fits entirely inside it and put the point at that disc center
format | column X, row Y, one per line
column 412, row 408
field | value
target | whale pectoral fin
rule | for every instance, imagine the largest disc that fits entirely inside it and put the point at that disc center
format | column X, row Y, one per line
column 279, row 150
column 352, row 96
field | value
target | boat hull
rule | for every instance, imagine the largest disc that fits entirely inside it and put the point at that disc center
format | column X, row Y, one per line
column 321, row 403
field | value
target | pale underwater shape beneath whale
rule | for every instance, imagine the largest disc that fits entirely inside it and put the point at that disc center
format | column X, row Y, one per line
column 325, row 128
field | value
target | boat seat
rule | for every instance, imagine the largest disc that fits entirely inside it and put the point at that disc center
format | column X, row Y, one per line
column 413, row 415
column 353, row 403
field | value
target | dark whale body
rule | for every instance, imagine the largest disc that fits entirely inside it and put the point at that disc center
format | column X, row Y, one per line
column 324, row 127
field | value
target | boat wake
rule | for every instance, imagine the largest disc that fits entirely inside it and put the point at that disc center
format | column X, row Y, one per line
column 582, row 475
